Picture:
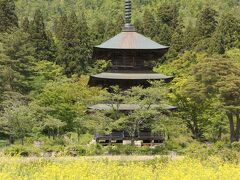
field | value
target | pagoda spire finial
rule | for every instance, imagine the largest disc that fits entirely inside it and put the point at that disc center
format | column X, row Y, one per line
column 128, row 16
column 128, row 11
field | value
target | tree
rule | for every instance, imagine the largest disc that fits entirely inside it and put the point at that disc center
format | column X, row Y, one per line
column 41, row 39
column 177, row 41
column 137, row 120
column 216, row 44
column 25, row 25
column 17, row 62
column 207, row 22
column 60, row 26
column 74, row 47
column 168, row 13
column 149, row 24
column 230, row 98
column 219, row 78
column 147, row 106
column 98, row 29
column 52, row 126
column 8, row 17
column 164, row 34
column 192, row 111
column 81, row 125
column 18, row 121
column 229, row 27
column 66, row 99
column 189, row 39
column 44, row 72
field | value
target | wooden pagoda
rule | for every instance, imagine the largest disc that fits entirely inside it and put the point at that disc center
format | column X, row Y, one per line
column 132, row 57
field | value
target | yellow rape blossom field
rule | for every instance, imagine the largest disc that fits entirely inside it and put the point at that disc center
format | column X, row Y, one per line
column 83, row 168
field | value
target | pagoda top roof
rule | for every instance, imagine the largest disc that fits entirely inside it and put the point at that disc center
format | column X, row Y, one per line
column 131, row 40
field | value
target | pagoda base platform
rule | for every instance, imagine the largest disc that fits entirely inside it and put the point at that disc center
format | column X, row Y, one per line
column 145, row 138
column 127, row 107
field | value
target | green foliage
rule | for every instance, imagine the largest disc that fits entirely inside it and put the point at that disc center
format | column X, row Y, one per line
column 17, row 61
column 66, row 99
column 236, row 146
column 44, row 72
column 8, row 17
column 229, row 28
column 207, row 22
column 74, row 44
column 41, row 39
column 168, row 13
column 18, row 121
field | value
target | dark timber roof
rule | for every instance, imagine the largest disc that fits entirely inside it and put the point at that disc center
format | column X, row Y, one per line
column 132, row 76
column 131, row 41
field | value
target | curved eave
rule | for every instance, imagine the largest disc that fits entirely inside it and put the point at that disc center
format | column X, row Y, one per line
column 131, row 76
column 131, row 41
column 107, row 53
column 165, row 48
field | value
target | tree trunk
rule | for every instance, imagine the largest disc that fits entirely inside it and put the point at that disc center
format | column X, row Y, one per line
column 219, row 137
column 78, row 137
column 132, row 141
column 237, row 132
column 231, row 123
column 11, row 140
column 22, row 140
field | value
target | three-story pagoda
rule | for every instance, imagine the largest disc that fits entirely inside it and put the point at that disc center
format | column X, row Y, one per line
column 132, row 57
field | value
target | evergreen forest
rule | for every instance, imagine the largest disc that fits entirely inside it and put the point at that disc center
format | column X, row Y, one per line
column 46, row 51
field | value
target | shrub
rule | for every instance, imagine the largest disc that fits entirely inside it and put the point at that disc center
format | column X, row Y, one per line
column 25, row 151
column 236, row 146
column 54, row 148
column 95, row 150
column 229, row 156
column 113, row 150
column 75, row 151
column 160, row 150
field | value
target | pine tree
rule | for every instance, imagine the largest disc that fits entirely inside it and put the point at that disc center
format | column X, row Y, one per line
column 114, row 27
column 177, row 41
column 138, row 24
column 166, row 23
column 98, row 30
column 42, row 42
column 8, row 17
column 25, row 25
column 190, row 35
column 149, row 28
column 164, row 35
column 74, row 48
column 168, row 13
column 230, row 30
column 85, row 44
column 60, row 25
column 216, row 44
column 207, row 22
column 17, row 62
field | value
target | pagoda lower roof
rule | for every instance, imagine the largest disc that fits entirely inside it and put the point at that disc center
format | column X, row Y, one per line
column 127, row 107
column 131, row 76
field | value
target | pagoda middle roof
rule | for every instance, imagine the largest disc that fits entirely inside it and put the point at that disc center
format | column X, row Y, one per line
column 131, row 40
column 132, row 76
